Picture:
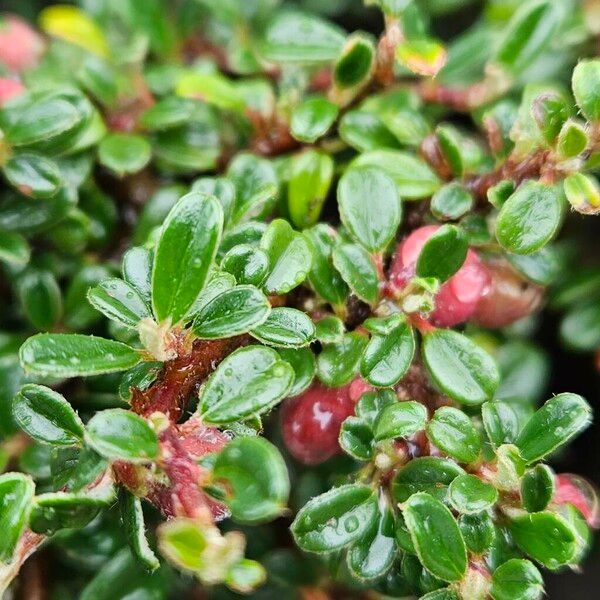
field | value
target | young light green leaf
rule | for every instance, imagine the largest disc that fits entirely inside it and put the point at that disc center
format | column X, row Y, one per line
column 285, row 327
column 119, row 301
column 119, row 434
column 233, row 312
column 75, row 355
column 335, row 519
column 459, row 367
column 46, row 416
column 399, row 420
column 553, row 425
column 256, row 479
column 250, row 381
column 290, row 257
column 452, row 431
column 436, row 537
column 16, row 495
column 370, row 207
column 586, row 87
column 184, row 254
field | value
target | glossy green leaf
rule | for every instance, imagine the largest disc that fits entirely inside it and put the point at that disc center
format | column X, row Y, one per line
column 502, row 421
column 529, row 219
column 425, row 474
column 289, row 255
column 119, row 301
column 46, row 416
column 302, row 360
column 132, row 517
column 586, row 87
column 469, row 494
column 335, row 519
column 124, row 153
column 14, row 249
column 249, row 265
column 119, row 434
column 517, row 579
column 451, row 202
column 184, row 254
column 371, row 403
column 365, row 131
column 33, row 175
column 286, row 327
column 400, row 420
column 452, row 431
column 248, row 382
column 40, row 297
column 245, row 576
column 74, row 355
column 357, row 269
column 459, row 367
column 436, row 537
column 233, row 312
column 338, row 363
column 329, row 330
column 370, row 207
column 354, row 65
column 312, row 119
column 478, row 531
column 572, row 140
column 537, row 488
column 443, row 253
column 256, row 478
column 212, row 88
column 137, row 271
column 553, row 425
column 16, row 495
column 545, row 537
column 356, row 438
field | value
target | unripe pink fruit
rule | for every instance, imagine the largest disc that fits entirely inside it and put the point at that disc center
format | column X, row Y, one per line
column 574, row 490
column 311, row 421
column 9, row 88
column 20, row 45
column 458, row 297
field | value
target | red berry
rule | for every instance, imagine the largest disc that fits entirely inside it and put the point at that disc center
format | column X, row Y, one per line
column 9, row 88
column 458, row 297
column 311, row 422
column 20, row 45
column 577, row 491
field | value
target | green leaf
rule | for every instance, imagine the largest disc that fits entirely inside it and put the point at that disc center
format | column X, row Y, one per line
column 365, row 131
column 478, row 531
column 583, row 193
column 517, row 579
column 424, row 57
column 354, row 66
column 436, row 537
column 425, row 474
column 184, row 254
column 40, row 296
column 33, row 175
column 170, row 111
column 537, row 488
column 580, row 329
column 74, row 355
column 387, row 357
column 400, row 420
column 250, row 381
column 14, row 249
column 443, row 253
column 356, row 438
column 137, row 271
column 338, row 363
column 329, row 329
column 124, row 153
column 294, row 37
column 222, row 189
column 46, row 416
column 545, row 537
column 529, row 219
column 312, row 119
column 302, row 360
column 541, row 267
column 371, row 557
column 469, row 494
column 231, row 313
column 132, row 517
column 245, row 576
column 357, row 269
column 412, row 176
column 285, row 327
column 119, row 301
column 586, row 87
column 572, row 140
column 370, row 404
column 247, row 264
column 451, row 202
column 452, row 144
column 16, row 495
column 256, row 479
column 553, row 425
column 370, row 207
column 335, row 519
column 527, row 34
column 119, row 434
column 212, row 88
column 289, row 255
column 502, row 421
column 459, row 367
column 452, row 431
column 311, row 173
column 218, row 282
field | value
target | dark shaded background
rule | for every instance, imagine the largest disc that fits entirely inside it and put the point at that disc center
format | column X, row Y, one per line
column 569, row 372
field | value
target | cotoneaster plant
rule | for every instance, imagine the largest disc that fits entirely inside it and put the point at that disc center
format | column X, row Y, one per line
column 270, row 293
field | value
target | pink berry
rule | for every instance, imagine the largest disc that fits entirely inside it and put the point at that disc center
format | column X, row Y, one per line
column 575, row 490
column 311, row 422
column 20, row 45
column 9, row 88
column 458, row 297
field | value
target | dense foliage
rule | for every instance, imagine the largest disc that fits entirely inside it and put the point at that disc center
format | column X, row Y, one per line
column 260, row 269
